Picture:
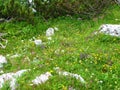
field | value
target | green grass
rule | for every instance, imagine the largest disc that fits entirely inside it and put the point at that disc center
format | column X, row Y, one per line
column 95, row 57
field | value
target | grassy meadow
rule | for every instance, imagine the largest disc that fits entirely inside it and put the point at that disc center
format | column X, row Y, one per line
column 74, row 48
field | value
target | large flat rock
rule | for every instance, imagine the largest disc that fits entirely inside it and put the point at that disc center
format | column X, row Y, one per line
column 110, row 29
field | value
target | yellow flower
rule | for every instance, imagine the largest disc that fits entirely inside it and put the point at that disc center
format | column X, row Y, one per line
column 51, row 71
column 86, row 70
column 64, row 88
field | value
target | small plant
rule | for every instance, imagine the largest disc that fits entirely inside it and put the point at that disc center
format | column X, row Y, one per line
column 108, row 39
column 81, row 8
column 14, row 9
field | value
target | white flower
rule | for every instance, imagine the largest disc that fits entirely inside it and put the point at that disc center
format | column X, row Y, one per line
column 100, row 81
column 55, row 28
column 1, row 71
column 62, row 51
column 49, row 38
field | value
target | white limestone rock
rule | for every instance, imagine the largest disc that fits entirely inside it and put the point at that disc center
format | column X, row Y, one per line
column 3, row 46
column 12, row 78
column 30, row 1
column 3, row 34
column 38, row 42
column 65, row 73
column 42, row 78
column 50, row 32
column 32, row 5
column 2, row 61
column 110, row 29
column 117, row 1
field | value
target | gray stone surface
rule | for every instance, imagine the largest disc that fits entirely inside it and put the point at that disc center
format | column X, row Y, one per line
column 11, row 77
column 38, row 42
column 68, row 74
column 42, row 78
column 50, row 32
column 2, row 60
column 110, row 29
